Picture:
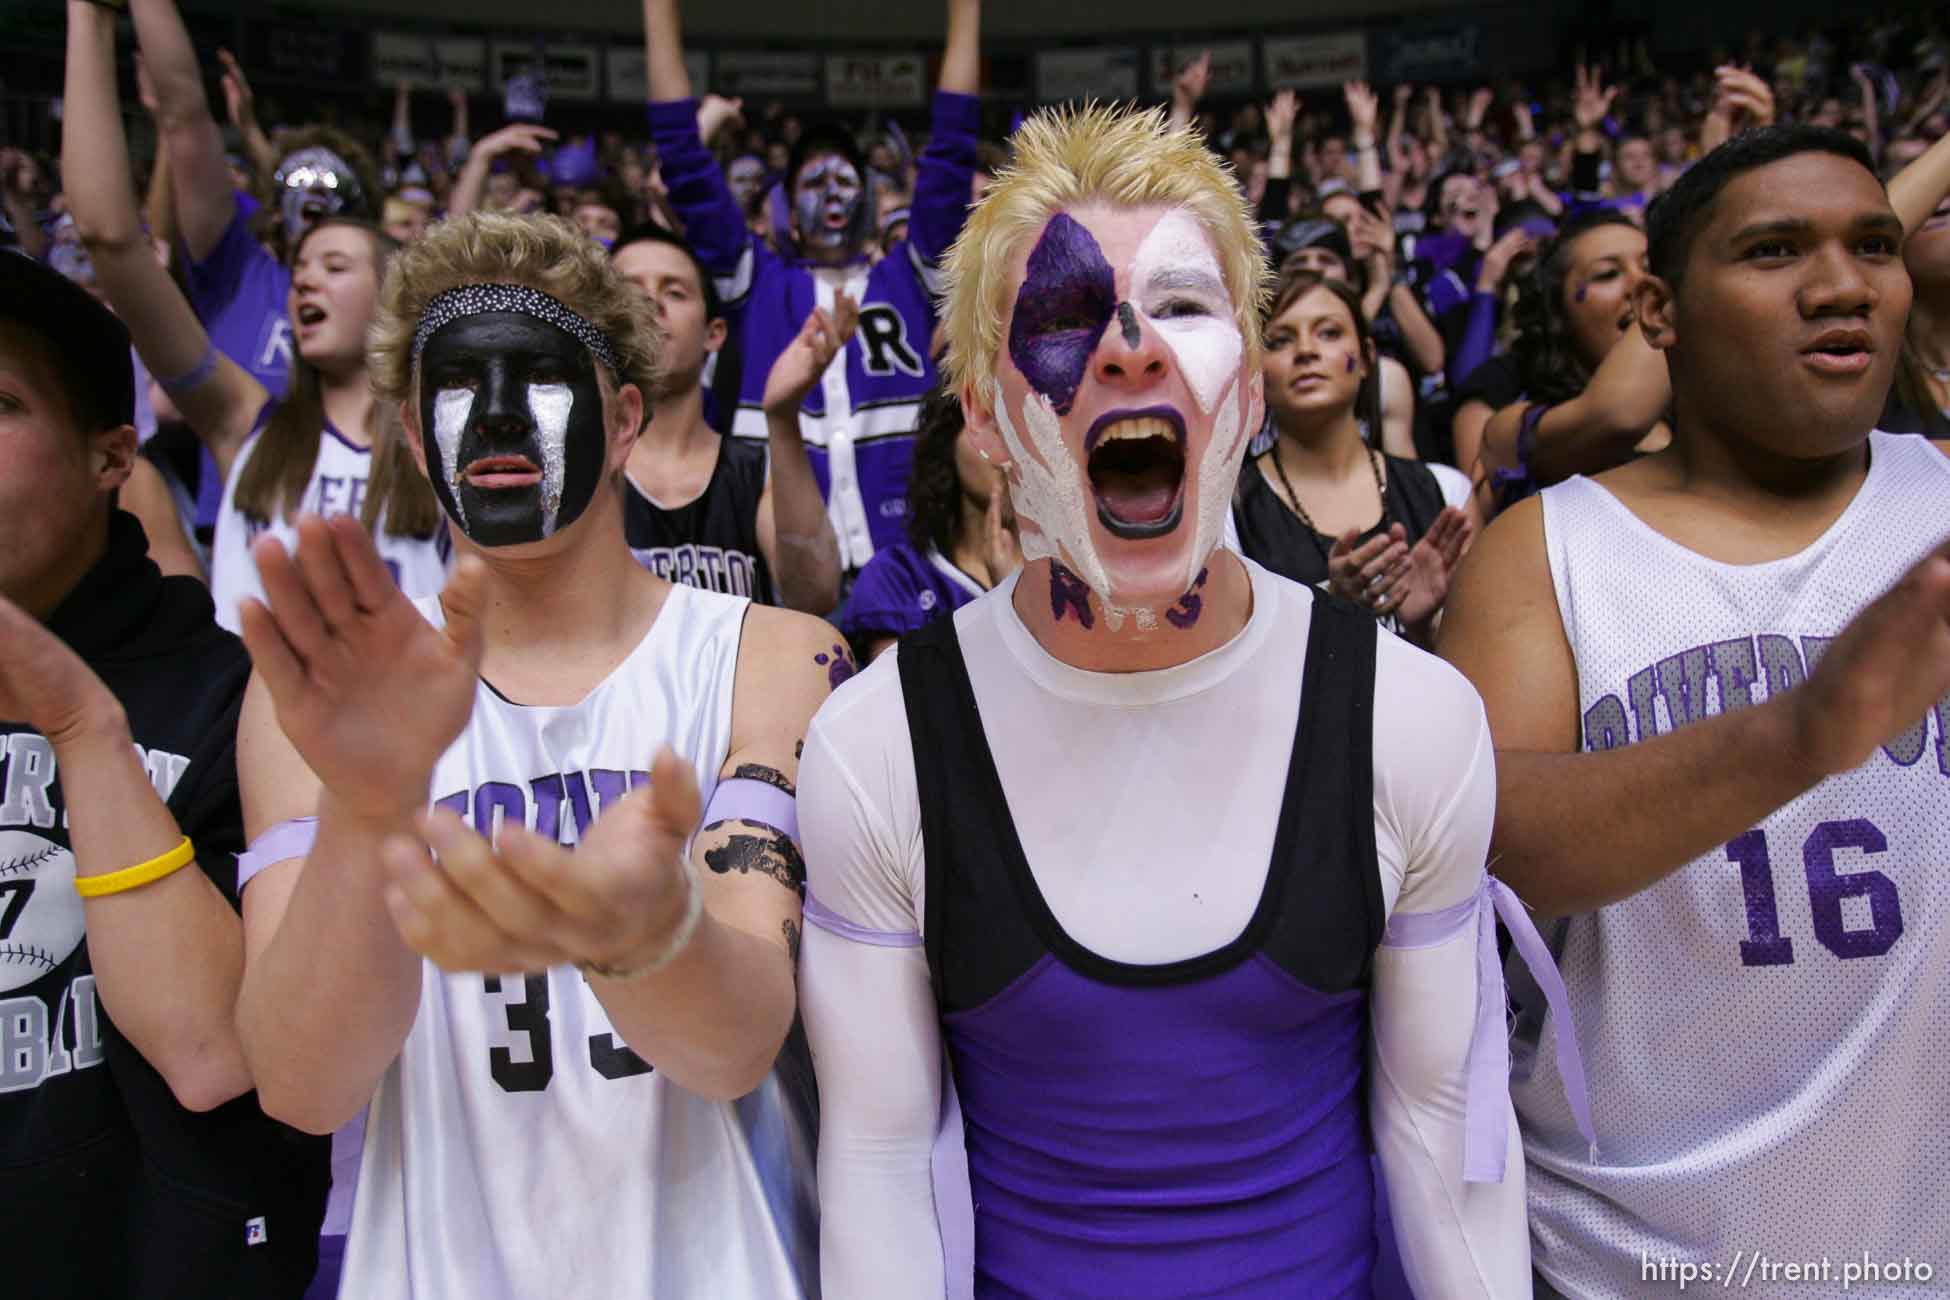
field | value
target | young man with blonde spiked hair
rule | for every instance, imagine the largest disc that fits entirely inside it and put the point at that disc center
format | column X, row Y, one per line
column 572, row 1058
column 1129, row 939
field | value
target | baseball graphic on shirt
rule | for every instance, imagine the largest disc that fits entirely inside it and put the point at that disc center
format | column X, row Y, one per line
column 40, row 914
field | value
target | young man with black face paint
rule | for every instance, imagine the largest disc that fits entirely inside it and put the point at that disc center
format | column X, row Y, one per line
column 1158, row 933
column 574, row 1120
column 1747, row 856
column 859, row 421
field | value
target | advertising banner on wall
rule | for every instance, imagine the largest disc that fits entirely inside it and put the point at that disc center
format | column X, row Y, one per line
column 751, row 73
column 1429, row 52
column 876, row 80
column 628, row 83
column 573, row 71
column 1327, row 59
column 1110, row 73
column 443, row 62
column 1232, row 67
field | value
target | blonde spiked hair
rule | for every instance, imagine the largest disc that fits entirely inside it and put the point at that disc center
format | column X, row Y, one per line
column 545, row 253
column 1067, row 156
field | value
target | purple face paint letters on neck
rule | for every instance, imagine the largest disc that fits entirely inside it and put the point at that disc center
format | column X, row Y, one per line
column 1184, row 615
column 1067, row 593
column 1068, row 296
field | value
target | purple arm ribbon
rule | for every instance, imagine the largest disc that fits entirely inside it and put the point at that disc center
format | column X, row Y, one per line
column 1486, row 1107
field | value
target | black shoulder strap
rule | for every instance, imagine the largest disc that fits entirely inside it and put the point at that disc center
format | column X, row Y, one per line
column 1330, row 919
column 978, row 937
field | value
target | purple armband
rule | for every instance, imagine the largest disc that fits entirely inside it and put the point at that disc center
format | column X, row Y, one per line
column 817, row 913
column 741, row 799
column 1486, row 1108
column 292, row 839
column 195, row 378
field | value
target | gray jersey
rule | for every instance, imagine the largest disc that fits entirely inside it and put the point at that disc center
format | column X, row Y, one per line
column 517, row 1149
column 1767, row 1029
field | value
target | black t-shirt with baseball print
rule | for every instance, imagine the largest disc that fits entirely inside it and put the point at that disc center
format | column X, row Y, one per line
column 109, row 1187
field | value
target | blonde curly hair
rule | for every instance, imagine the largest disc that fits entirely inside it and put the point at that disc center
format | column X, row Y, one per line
column 544, row 253
column 1068, row 156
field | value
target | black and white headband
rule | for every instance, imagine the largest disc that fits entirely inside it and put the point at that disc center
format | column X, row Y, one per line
column 467, row 300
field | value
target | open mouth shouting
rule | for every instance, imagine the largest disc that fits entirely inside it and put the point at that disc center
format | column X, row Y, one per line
column 310, row 316
column 1136, row 464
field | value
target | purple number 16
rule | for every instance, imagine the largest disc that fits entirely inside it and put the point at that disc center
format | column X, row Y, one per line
column 1765, row 945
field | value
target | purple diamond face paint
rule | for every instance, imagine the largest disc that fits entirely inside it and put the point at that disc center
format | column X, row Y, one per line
column 1350, row 363
column 1579, row 295
column 1068, row 296
column 1184, row 615
column 1068, row 594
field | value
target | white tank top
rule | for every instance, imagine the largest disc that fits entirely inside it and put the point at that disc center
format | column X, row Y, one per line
column 516, row 1148
column 337, row 487
column 1767, row 1030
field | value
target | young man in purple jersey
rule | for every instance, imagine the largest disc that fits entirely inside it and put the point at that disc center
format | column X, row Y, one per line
column 1146, row 892
column 1715, row 678
column 859, row 421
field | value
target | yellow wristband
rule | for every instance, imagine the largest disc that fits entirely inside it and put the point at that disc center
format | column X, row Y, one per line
column 142, row 873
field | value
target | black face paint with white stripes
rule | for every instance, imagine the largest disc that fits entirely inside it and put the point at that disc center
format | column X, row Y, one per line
column 511, row 418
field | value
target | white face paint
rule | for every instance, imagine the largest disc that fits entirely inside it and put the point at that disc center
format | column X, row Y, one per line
column 1218, row 471
column 1176, row 282
column 451, row 409
column 550, row 406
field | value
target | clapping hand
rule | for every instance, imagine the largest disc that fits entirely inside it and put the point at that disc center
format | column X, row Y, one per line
column 368, row 691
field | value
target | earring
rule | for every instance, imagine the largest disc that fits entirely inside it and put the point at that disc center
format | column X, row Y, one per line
column 983, row 454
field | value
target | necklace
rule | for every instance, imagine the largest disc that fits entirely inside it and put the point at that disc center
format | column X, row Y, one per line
column 1380, row 487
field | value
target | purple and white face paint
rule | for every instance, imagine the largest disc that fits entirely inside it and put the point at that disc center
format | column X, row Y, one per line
column 828, row 204
column 1068, row 296
column 1124, row 404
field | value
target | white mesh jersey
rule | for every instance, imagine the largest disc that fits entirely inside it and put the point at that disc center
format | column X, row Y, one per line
column 1767, row 1030
column 337, row 487
column 516, row 1149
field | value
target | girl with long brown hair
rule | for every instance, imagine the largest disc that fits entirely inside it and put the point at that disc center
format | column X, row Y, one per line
column 314, row 451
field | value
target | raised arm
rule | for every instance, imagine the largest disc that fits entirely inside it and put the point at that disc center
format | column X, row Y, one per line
column 205, row 202
column 166, row 954
column 712, row 220
column 1916, row 190
column 241, row 103
column 1595, row 430
column 1363, row 109
column 218, row 399
column 794, row 531
column 1574, row 830
column 520, row 137
column 961, row 53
